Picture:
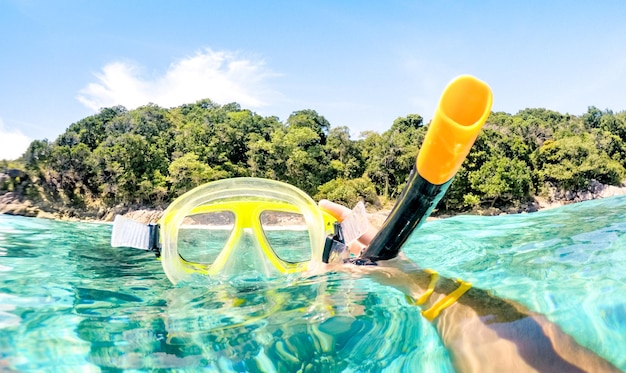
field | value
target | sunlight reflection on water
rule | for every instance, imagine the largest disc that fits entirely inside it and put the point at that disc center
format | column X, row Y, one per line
column 68, row 301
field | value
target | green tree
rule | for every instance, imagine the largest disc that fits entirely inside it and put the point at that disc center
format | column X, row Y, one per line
column 380, row 155
column 151, row 154
column 293, row 154
column 312, row 120
column 191, row 135
column 390, row 157
column 592, row 117
column 497, row 169
column 502, row 178
column 349, row 191
column 305, row 161
column 91, row 130
column 187, row 172
column 123, row 161
column 346, row 160
column 37, row 155
column 570, row 163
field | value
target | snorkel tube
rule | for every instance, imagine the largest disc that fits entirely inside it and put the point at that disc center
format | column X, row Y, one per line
column 463, row 108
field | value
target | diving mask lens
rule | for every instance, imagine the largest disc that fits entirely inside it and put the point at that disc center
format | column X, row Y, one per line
column 201, row 237
column 287, row 234
column 248, row 234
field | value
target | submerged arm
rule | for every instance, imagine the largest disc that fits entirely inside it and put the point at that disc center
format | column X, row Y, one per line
column 485, row 333
column 481, row 331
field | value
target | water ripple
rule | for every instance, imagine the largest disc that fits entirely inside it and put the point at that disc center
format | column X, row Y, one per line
column 67, row 299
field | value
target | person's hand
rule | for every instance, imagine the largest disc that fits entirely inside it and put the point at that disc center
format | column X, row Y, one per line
column 340, row 212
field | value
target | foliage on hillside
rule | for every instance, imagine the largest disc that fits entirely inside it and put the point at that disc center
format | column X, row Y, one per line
column 150, row 155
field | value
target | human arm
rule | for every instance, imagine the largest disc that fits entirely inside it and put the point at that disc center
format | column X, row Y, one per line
column 481, row 331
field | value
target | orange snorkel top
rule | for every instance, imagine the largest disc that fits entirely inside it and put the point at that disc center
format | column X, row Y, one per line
column 464, row 107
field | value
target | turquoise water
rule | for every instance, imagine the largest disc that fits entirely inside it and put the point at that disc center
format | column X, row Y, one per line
column 70, row 302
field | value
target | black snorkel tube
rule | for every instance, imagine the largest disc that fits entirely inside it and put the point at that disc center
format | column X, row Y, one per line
column 464, row 107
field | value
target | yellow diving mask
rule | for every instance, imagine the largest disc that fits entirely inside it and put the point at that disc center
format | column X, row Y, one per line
column 252, row 226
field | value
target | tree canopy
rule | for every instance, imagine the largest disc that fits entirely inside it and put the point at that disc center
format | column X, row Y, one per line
column 150, row 155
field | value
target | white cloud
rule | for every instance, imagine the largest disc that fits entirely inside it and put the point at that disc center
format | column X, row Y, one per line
column 13, row 143
column 220, row 76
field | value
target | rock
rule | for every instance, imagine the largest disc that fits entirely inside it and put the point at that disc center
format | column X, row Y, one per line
column 144, row 216
column 10, row 204
column 15, row 173
column 595, row 190
column 611, row 190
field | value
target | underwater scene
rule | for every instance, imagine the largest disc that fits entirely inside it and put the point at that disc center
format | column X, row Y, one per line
column 71, row 302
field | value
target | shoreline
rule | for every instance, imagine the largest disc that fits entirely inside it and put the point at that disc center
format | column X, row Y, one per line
column 11, row 204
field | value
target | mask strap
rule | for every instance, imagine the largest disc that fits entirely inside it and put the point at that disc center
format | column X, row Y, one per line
column 130, row 233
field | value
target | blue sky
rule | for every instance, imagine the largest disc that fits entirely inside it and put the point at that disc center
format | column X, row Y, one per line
column 358, row 63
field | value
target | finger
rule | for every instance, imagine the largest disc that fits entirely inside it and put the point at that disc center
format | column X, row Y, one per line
column 338, row 211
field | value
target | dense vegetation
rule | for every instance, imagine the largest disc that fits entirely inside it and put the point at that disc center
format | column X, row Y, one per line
column 151, row 155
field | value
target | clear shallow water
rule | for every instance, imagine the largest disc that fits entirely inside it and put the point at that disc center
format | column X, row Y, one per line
column 69, row 302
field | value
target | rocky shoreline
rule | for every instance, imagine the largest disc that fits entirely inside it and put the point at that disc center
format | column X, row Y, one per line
column 13, row 204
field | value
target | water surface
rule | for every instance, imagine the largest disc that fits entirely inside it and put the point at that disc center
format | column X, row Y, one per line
column 70, row 302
